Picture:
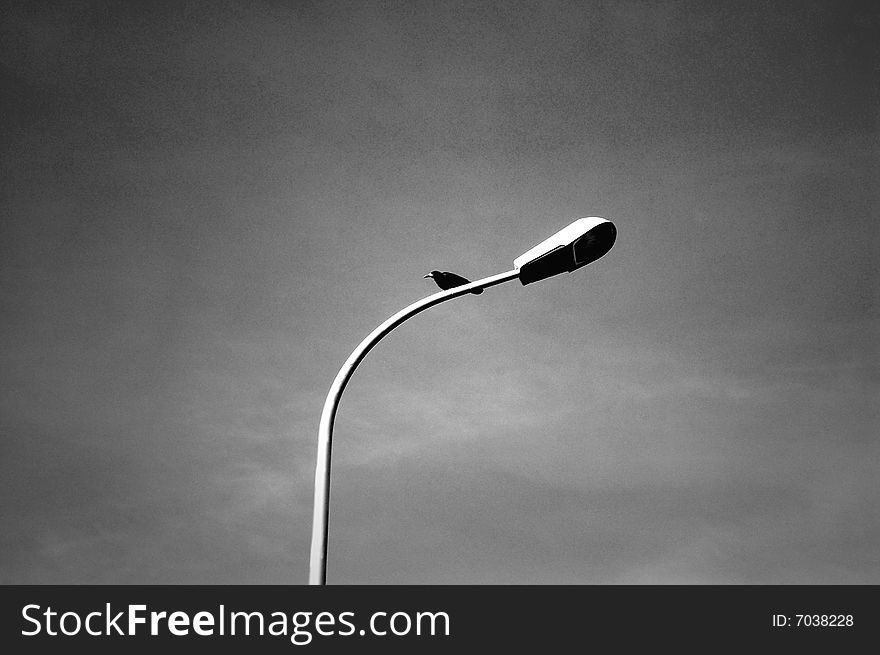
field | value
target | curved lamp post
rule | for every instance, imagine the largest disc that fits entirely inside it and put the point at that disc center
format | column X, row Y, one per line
column 582, row 242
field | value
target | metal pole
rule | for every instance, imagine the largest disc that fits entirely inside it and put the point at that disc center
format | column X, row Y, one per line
column 320, row 518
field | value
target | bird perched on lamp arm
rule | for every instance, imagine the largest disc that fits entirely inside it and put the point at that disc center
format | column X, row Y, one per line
column 447, row 280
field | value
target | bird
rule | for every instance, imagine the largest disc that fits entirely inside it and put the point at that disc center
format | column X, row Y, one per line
column 447, row 280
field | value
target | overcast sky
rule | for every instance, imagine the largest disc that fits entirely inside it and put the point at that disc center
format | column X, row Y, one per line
column 206, row 206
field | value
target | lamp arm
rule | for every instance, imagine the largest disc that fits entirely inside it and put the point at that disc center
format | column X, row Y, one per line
column 320, row 518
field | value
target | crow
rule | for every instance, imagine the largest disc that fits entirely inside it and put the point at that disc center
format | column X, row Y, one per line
column 449, row 280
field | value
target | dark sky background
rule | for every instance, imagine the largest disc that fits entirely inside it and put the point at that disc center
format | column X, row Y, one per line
column 206, row 206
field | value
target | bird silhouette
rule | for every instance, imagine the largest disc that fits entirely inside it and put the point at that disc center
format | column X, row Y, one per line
column 446, row 280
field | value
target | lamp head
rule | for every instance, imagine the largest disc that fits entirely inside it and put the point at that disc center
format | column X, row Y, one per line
column 574, row 246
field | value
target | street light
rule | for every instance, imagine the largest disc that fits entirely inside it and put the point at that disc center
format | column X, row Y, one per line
column 574, row 246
